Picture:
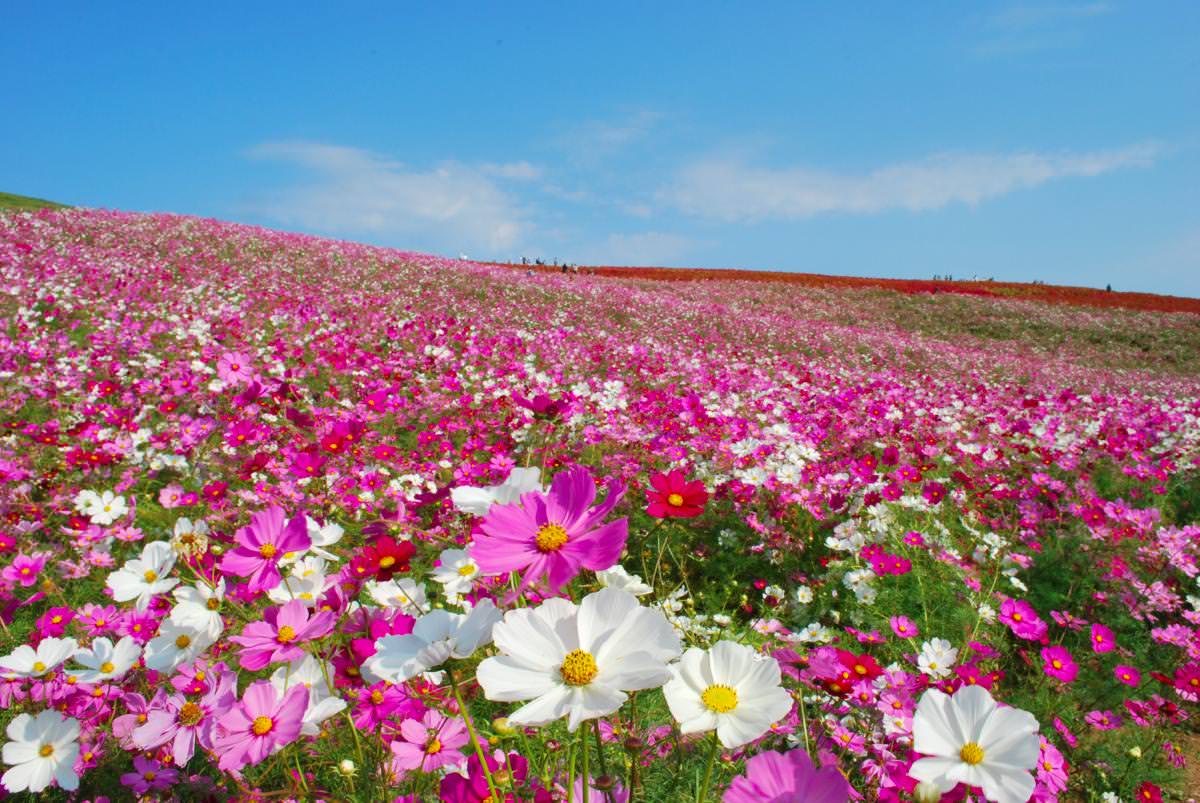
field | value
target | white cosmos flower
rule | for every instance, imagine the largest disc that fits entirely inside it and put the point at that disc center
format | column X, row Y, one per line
column 477, row 501
column 617, row 577
column 937, row 657
column 456, row 572
column 42, row 748
column 405, row 594
column 436, row 637
column 175, row 644
column 102, row 509
column 970, row 739
column 729, row 688
column 323, row 535
column 27, row 662
column 106, row 661
column 578, row 661
column 199, row 607
column 305, row 581
column 190, row 538
column 146, row 577
column 323, row 702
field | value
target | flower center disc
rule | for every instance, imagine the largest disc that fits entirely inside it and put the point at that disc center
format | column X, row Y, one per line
column 387, row 562
column 719, row 699
column 38, row 666
column 550, row 537
column 433, row 748
column 466, row 571
column 190, row 714
column 262, row 726
column 578, row 668
column 107, row 667
column 971, row 753
column 675, row 500
column 183, row 642
column 286, row 633
column 46, row 751
column 267, row 551
column 150, row 576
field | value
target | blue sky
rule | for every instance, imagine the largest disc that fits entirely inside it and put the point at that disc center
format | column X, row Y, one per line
column 1052, row 141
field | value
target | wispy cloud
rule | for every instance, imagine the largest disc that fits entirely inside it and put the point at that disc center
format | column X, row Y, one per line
column 351, row 191
column 650, row 249
column 1024, row 28
column 735, row 191
column 593, row 141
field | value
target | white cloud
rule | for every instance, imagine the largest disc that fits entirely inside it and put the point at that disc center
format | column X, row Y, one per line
column 517, row 171
column 452, row 206
column 1025, row 28
column 731, row 190
column 645, row 249
column 1025, row 16
column 593, row 141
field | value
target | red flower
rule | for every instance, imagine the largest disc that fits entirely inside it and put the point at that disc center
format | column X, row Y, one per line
column 384, row 558
column 1149, row 793
column 674, row 497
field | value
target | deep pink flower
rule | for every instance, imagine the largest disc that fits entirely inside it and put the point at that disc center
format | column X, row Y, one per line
column 430, row 743
column 183, row 722
column 473, row 787
column 1103, row 639
column 234, row 368
column 1129, row 675
column 262, row 544
column 904, row 627
column 673, row 496
column 1059, row 664
column 259, row 725
column 1103, row 720
column 555, row 535
column 1022, row 620
column 772, row 776
column 149, row 774
column 24, row 569
column 278, row 637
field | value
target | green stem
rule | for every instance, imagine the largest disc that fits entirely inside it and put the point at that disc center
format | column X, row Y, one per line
column 587, row 778
column 466, row 715
column 702, row 792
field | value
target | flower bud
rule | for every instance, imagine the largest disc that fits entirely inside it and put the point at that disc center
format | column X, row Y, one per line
column 346, row 768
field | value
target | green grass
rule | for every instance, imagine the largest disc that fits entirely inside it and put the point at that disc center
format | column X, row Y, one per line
column 10, row 201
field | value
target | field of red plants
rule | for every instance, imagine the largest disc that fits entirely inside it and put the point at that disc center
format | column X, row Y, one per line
column 285, row 518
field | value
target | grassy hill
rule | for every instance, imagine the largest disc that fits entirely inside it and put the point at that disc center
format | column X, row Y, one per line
column 10, row 201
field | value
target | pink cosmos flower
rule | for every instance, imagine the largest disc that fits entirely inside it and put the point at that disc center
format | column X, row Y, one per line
column 24, row 569
column 260, row 724
column 278, row 637
column 149, row 774
column 429, row 743
column 1059, row 664
column 1129, row 675
column 1022, row 620
column 672, row 495
column 787, row 776
column 555, row 535
column 183, row 722
column 262, row 544
column 1103, row 720
column 1103, row 639
column 904, row 627
column 234, row 368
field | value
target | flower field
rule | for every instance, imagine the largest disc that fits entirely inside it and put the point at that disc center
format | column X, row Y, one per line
column 284, row 518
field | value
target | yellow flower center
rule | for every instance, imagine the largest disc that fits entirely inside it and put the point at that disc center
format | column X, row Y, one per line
column 1016, row 617
column 286, row 633
column 107, row 667
column 99, row 623
column 56, row 619
column 150, row 575
column 675, row 500
column 377, row 697
column 262, row 726
column 433, row 748
column 149, row 775
column 971, row 753
column 267, row 551
column 46, row 751
column 550, row 537
column 578, row 667
column 38, row 666
column 183, row 641
column 213, row 603
column 190, row 714
column 387, row 562
column 466, row 571
column 719, row 699
column 1057, row 664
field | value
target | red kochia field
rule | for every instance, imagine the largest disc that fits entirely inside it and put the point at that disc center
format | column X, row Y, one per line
column 285, row 518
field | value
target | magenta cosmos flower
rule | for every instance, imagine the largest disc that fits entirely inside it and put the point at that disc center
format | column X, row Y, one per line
column 260, row 724
column 773, row 777
column 1022, row 619
column 553, row 535
column 278, row 637
column 1059, row 664
column 672, row 496
column 262, row 544
column 432, row 742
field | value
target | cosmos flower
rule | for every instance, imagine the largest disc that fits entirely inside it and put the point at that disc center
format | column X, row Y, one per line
column 456, row 572
column 577, row 661
column 429, row 743
column 262, row 544
column 41, row 749
column 144, row 578
column 791, row 776
column 673, row 496
column 101, row 508
column 552, row 536
column 478, row 501
column 278, row 637
column 106, row 661
column 436, row 637
column 970, row 739
column 383, row 559
column 28, row 662
column 729, row 688
column 262, row 723
column 1059, row 664
column 937, row 658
